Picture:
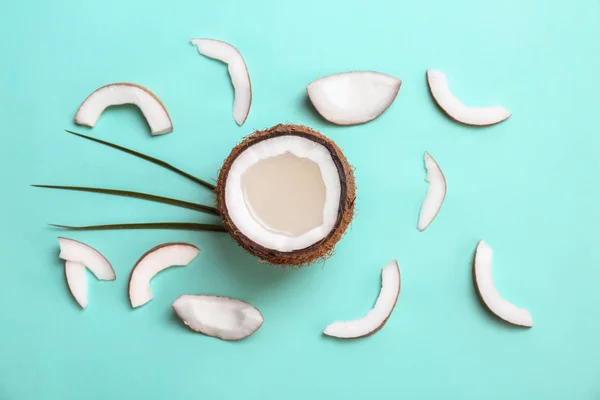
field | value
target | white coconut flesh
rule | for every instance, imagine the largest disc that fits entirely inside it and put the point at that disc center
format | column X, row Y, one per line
column 154, row 261
column 220, row 317
column 351, row 98
column 436, row 192
column 489, row 294
column 238, row 72
column 72, row 250
column 378, row 315
column 77, row 282
column 440, row 90
column 125, row 93
column 284, row 193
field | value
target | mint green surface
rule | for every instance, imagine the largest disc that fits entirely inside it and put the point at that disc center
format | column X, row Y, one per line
column 528, row 186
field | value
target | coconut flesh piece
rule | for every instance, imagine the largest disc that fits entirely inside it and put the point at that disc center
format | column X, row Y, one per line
column 480, row 116
column 72, row 250
column 436, row 193
column 77, row 257
column 238, row 72
column 488, row 294
column 216, row 316
column 376, row 317
column 151, row 263
column 77, row 282
column 125, row 93
column 352, row 98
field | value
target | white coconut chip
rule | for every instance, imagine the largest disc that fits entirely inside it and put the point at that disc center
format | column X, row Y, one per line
column 378, row 316
column 77, row 257
column 125, row 93
column 484, row 284
column 238, row 72
column 436, row 193
column 77, row 282
column 220, row 317
column 480, row 116
column 72, row 250
column 352, row 98
column 151, row 263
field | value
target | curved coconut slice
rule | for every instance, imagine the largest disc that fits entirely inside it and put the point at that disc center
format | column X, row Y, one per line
column 77, row 282
column 125, row 93
column 151, row 263
column 240, row 79
column 286, row 195
column 436, row 192
column 72, row 250
column 352, row 98
column 378, row 316
column 220, row 317
column 480, row 116
column 488, row 294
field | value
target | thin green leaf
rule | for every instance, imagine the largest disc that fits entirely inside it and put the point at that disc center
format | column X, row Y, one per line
column 153, row 160
column 188, row 226
column 138, row 195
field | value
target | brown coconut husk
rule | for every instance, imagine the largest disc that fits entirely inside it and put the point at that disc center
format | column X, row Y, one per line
column 318, row 251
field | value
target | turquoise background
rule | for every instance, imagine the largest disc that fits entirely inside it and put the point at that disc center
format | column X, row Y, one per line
column 527, row 186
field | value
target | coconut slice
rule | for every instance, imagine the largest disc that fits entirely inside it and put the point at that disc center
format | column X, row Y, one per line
column 81, row 253
column 286, row 195
column 77, row 282
column 125, row 93
column 378, row 316
column 151, row 263
column 436, row 192
column 220, row 317
column 352, row 98
column 480, row 116
column 488, row 294
column 238, row 72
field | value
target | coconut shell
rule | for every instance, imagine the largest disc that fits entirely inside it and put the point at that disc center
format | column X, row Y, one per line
column 319, row 250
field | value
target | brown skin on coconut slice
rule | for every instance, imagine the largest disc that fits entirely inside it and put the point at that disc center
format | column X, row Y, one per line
column 77, row 282
column 319, row 250
column 198, row 314
column 94, row 105
column 238, row 72
column 487, row 293
column 365, row 96
column 378, row 316
column 152, row 262
column 78, row 256
column 92, row 259
column 456, row 110
column 436, row 193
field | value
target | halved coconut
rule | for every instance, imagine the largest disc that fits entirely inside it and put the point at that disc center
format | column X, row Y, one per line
column 488, row 294
column 125, row 93
column 220, row 317
column 436, row 193
column 352, row 98
column 451, row 105
column 238, row 72
column 378, row 316
column 286, row 195
column 151, row 263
